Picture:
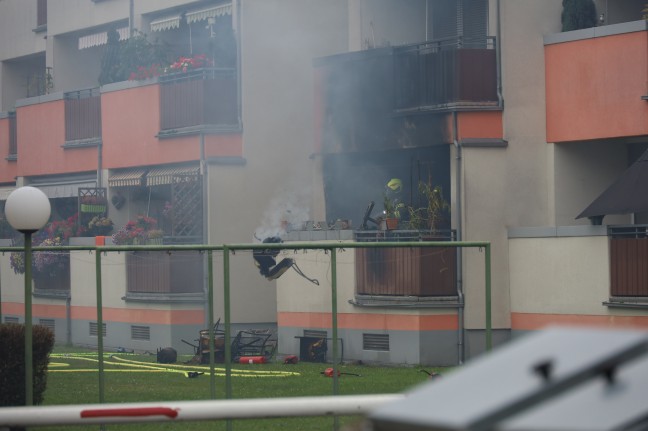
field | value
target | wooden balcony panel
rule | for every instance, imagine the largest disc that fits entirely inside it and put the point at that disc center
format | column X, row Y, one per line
column 406, row 271
column 148, row 272
column 162, row 273
column 82, row 118
column 203, row 99
column 629, row 266
column 13, row 135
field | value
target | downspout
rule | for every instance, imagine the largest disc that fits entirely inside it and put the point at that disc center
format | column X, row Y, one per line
column 498, row 58
column 459, row 215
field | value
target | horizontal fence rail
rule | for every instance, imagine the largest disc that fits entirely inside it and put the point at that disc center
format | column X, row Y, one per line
column 226, row 250
column 183, row 411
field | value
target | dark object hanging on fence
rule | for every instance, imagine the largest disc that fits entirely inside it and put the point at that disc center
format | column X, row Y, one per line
column 266, row 261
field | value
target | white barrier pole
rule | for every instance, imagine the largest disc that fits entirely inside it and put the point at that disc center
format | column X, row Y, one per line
column 182, row 411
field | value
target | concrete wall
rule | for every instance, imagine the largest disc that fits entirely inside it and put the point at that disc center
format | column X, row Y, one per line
column 562, row 276
column 279, row 40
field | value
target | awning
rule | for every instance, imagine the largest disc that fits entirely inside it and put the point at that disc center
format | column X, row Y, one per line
column 98, row 39
column 166, row 175
column 203, row 14
column 166, row 23
column 626, row 195
column 127, row 178
column 63, row 186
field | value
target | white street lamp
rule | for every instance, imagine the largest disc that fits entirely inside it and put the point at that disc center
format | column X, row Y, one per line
column 27, row 210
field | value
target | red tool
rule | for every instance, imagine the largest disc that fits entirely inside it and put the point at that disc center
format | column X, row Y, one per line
column 252, row 360
column 329, row 373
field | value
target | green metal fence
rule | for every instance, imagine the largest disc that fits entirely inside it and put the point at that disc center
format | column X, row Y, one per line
column 227, row 250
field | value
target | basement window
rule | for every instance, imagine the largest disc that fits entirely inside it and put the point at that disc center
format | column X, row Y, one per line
column 48, row 323
column 142, row 333
column 94, row 329
column 377, row 342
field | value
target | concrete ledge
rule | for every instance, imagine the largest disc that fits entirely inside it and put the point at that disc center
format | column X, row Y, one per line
column 590, row 33
column 557, row 231
column 39, row 99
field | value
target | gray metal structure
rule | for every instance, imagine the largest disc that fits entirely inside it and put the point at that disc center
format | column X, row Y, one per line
column 555, row 379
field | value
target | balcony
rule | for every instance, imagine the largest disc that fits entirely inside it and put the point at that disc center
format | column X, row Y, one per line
column 162, row 273
column 404, row 272
column 445, row 72
column 596, row 83
column 66, row 128
column 198, row 98
column 363, row 97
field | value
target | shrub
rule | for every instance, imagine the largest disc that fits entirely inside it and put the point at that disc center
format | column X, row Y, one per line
column 12, row 362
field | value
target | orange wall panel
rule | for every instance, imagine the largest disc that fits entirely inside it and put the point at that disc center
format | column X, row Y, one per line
column 396, row 322
column 479, row 125
column 535, row 321
column 594, row 88
column 41, row 135
column 131, row 122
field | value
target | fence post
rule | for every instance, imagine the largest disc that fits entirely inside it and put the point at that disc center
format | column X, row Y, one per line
column 99, row 324
column 210, row 320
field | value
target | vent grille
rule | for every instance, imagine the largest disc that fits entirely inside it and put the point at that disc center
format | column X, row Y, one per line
column 379, row 342
column 140, row 333
column 93, row 329
column 315, row 334
column 11, row 319
column 48, row 323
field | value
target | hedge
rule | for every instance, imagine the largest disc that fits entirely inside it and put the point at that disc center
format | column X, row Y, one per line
column 12, row 362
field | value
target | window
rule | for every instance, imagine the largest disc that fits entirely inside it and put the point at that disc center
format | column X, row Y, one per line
column 93, row 329
column 142, row 333
column 378, row 342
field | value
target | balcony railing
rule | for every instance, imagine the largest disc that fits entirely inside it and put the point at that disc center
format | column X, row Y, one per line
column 153, row 272
column 628, row 260
column 200, row 97
column 445, row 71
column 82, row 115
column 405, row 271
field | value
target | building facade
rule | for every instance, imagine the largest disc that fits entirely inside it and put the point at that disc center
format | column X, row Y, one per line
column 299, row 111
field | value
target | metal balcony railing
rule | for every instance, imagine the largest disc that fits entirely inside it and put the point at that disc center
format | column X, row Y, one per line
column 445, row 71
column 199, row 97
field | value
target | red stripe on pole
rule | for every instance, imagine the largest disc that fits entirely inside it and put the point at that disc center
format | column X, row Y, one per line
column 142, row 411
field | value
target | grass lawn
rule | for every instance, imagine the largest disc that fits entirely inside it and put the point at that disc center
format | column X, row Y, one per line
column 73, row 380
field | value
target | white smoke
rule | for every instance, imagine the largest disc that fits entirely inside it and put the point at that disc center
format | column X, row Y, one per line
column 288, row 210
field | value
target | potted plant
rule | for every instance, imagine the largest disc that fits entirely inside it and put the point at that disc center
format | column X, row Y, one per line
column 392, row 204
column 99, row 226
column 432, row 212
column 143, row 230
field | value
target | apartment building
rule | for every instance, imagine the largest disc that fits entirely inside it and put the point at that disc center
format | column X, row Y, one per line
column 303, row 111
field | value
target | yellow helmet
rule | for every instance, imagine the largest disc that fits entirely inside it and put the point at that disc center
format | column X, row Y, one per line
column 395, row 184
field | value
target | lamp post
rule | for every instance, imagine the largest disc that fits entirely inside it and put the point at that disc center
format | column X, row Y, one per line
column 27, row 210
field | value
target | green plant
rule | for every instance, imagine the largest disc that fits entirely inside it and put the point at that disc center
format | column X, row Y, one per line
column 137, row 53
column 428, row 215
column 138, row 231
column 578, row 14
column 392, row 206
column 12, row 363
column 99, row 225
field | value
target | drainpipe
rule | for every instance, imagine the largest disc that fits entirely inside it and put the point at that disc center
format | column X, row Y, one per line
column 498, row 58
column 458, row 211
